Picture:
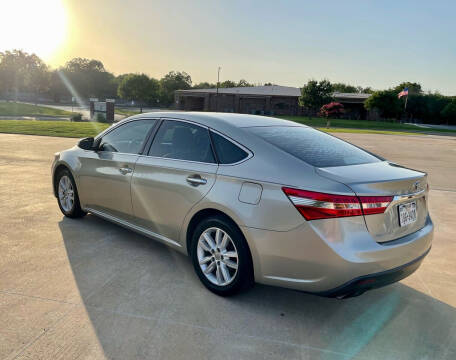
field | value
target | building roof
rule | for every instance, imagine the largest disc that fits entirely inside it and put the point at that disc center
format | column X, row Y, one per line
column 273, row 90
column 216, row 119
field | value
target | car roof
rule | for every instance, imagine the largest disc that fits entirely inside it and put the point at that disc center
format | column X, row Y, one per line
column 212, row 119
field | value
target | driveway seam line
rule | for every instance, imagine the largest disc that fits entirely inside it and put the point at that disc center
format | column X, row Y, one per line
column 25, row 347
column 39, row 298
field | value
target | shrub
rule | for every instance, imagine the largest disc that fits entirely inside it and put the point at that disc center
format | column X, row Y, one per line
column 76, row 117
column 386, row 102
column 101, row 118
column 449, row 112
column 333, row 109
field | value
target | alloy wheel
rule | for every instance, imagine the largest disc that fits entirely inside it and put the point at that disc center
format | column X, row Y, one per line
column 66, row 193
column 217, row 256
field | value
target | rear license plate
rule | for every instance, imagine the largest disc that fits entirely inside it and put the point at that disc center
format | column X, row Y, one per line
column 407, row 213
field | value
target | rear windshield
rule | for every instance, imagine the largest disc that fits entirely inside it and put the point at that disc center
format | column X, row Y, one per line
column 314, row 147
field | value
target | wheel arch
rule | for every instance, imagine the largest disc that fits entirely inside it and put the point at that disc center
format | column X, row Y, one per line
column 206, row 212
column 57, row 169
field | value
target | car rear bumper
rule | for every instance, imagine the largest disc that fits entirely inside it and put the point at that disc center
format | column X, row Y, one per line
column 361, row 284
column 328, row 255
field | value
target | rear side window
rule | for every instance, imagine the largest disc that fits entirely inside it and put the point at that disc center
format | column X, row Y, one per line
column 314, row 147
column 227, row 152
column 182, row 141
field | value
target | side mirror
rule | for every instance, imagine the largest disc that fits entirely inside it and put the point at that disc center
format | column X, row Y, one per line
column 86, row 143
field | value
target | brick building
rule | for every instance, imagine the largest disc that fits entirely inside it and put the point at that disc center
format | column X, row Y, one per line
column 260, row 100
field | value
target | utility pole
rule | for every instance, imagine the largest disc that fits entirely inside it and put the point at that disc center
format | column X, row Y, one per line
column 218, row 84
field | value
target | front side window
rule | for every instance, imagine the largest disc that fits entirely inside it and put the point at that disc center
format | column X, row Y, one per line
column 182, row 141
column 128, row 138
column 227, row 152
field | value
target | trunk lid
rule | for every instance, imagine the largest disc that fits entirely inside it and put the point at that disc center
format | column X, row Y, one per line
column 385, row 179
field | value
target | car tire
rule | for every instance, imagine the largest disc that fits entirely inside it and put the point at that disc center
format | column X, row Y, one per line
column 224, row 263
column 67, row 195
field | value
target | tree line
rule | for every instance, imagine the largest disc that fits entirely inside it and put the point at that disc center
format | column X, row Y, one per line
column 21, row 72
column 426, row 107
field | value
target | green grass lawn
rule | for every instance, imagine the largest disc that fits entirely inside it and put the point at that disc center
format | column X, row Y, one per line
column 84, row 129
column 21, row 109
column 366, row 131
column 361, row 124
column 52, row 128
column 126, row 111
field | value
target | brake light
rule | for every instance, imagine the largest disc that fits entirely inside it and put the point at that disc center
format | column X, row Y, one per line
column 314, row 205
column 375, row 204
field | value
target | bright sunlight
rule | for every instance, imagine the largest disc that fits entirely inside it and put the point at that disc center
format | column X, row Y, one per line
column 34, row 26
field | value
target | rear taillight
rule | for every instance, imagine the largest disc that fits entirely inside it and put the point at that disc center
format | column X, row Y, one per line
column 314, row 205
column 375, row 204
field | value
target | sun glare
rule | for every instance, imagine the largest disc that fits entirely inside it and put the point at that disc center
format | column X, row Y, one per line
column 38, row 27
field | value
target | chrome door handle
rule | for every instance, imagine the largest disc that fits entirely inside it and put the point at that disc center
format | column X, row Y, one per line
column 196, row 180
column 125, row 170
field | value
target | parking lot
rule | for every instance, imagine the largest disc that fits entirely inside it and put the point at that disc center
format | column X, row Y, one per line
column 90, row 289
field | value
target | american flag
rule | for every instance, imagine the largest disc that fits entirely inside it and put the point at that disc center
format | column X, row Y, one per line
column 403, row 93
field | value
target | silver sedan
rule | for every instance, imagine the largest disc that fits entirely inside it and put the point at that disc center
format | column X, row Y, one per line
column 253, row 198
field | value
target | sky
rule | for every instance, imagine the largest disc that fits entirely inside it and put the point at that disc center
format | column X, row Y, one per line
column 360, row 42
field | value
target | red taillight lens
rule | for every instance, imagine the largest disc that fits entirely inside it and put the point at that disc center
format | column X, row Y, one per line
column 314, row 205
column 375, row 204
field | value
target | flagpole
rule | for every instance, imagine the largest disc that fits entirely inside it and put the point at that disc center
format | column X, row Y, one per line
column 405, row 107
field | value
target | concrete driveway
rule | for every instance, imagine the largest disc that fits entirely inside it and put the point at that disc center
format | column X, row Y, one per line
column 88, row 289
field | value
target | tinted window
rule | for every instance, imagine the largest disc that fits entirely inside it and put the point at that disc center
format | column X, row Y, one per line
column 227, row 152
column 314, row 147
column 128, row 138
column 183, row 141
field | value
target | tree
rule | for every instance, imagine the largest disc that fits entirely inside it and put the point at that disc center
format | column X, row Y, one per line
column 344, row 88
column 366, row 90
column 333, row 109
column 140, row 88
column 57, row 89
column 435, row 103
column 416, row 107
column 38, row 80
column 413, row 88
column 204, row 85
column 386, row 102
column 171, row 82
column 228, row 84
column 449, row 112
column 89, row 78
column 315, row 94
column 22, row 72
column 243, row 83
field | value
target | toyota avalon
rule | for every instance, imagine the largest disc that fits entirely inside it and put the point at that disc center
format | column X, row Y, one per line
column 253, row 199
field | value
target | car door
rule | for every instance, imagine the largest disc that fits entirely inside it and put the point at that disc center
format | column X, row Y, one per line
column 105, row 175
column 177, row 172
